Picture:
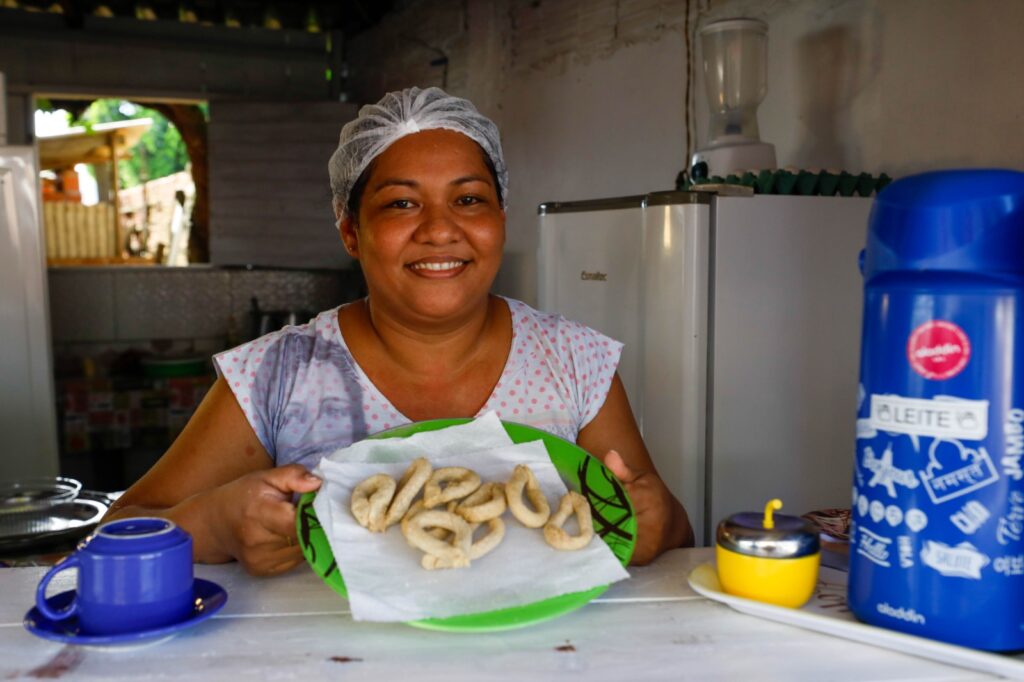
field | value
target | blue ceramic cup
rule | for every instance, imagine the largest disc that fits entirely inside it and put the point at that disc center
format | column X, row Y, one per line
column 133, row 575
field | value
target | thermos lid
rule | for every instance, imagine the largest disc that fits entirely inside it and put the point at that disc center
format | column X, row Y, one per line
column 768, row 535
column 954, row 220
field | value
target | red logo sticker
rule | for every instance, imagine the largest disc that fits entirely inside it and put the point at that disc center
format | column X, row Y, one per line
column 938, row 350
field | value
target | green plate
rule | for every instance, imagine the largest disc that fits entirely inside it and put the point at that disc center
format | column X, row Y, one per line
column 614, row 522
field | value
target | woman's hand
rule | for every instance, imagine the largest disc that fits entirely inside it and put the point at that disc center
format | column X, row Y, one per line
column 657, row 511
column 252, row 519
column 662, row 523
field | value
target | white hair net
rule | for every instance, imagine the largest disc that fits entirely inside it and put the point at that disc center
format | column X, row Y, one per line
column 403, row 113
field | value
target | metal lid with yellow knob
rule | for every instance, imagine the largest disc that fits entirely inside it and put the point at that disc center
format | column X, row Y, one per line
column 768, row 535
column 768, row 557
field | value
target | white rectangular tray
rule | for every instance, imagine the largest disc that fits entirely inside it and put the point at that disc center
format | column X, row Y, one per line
column 828, row 612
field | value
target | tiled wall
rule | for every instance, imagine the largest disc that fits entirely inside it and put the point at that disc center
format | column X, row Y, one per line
column 195, row 304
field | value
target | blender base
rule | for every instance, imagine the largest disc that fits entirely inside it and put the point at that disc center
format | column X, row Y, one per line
column 726, row 159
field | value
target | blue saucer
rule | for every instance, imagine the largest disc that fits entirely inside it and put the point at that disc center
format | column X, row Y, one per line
column 210, row 598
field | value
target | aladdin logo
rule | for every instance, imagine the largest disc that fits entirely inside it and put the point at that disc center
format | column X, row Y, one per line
column 938, row 349
column 909, row 615
column 594, row 276
column 941, row 349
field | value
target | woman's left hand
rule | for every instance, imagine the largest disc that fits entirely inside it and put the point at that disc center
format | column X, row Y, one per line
column 662, row 523
column 654, row 505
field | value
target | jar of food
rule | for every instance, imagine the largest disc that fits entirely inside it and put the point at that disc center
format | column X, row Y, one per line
column 768, row 557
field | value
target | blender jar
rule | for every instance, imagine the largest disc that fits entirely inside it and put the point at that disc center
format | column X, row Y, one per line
column 735, row 76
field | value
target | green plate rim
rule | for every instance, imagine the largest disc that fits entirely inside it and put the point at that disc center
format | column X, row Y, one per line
column 619, row 533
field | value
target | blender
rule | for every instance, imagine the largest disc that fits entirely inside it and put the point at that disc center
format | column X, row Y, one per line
column 735, row 76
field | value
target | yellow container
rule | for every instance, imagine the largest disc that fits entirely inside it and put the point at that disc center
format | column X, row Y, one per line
column 768, row 558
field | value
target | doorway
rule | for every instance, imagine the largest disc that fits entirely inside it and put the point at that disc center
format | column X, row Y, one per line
column 123, row 186
column 123, row 181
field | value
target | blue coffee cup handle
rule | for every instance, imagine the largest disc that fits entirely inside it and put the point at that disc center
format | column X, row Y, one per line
column 44, row 608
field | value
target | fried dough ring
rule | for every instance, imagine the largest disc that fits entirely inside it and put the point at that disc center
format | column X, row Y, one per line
column 495, row 534
column 370, row 501
column 461, row 482
column 523, row 476
column 457, row 553
column 556, row 536
column 409, row 487
column 416, row 508
column 413, row 510
column 488, row 502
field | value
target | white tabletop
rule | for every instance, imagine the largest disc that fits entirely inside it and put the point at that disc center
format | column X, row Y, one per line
column 293, row 627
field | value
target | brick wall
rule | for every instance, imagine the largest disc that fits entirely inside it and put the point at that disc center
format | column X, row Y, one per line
column 397, row 53
column 545, row 31
column 533, row 34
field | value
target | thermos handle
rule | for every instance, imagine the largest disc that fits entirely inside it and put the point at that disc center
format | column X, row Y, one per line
column 44, row 608
column 860, row 260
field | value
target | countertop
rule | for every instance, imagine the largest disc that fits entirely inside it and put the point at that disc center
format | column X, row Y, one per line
column 293, row 627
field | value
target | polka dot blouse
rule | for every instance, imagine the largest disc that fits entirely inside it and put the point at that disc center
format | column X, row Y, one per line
column 305, row 395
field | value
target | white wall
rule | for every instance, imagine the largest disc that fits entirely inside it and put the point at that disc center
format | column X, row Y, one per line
column 589, row 93
column 608, row 127
column 896, row 85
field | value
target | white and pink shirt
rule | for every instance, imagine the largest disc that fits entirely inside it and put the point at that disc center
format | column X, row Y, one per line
column 305, row 395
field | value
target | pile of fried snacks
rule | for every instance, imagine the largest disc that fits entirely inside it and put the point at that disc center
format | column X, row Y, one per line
column 455, row 503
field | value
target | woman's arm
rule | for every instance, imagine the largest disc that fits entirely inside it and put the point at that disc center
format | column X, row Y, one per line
column 218, row 482
column 614, row 437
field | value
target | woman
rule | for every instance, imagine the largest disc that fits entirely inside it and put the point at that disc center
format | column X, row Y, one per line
column 419, row 187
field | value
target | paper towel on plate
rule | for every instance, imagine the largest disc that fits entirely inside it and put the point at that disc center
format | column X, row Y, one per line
column 382, row 573
column 483, row 433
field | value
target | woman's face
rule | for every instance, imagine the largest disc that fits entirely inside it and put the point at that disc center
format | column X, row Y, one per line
column 430, row 229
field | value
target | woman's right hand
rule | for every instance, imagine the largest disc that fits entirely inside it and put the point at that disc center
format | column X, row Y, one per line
column 253, row 519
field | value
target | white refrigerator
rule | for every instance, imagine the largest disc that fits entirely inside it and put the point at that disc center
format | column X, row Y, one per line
column 741, row 321
column 27, row 409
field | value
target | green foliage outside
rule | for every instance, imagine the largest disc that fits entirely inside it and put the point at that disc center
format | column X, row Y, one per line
column 160, row 151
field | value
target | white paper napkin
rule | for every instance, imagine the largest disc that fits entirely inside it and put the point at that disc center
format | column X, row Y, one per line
column 382, row 573
column 483, row 433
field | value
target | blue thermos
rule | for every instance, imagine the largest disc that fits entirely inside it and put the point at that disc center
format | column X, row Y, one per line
column 937, row 532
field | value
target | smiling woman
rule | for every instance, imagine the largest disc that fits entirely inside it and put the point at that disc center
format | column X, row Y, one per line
column 419, row 184
column 430, row 229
